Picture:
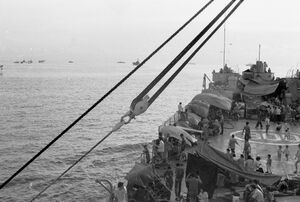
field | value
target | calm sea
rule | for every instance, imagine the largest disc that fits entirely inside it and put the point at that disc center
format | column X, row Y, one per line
column 38, row 101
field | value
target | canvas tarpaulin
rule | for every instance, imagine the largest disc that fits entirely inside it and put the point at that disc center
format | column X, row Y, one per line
column 215, row 100
column 260, row 89
column 220, row 159
column 140, row 175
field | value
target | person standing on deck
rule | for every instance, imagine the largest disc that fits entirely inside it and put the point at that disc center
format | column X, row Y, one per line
column 169, row 178
column 221, row 121
column 247, row 134
column 247, row 149
column 297, row 156
column 121, row 193
column 146, row 154
column 180, row 111
column 161, row 148
column 193, row 183
column 269, row 164
column 259, row 119
column 286, row 152
column 179, row 173
column 267, row 120
column 232, row 143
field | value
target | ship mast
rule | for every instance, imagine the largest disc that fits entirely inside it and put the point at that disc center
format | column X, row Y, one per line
column 259, row 52
column 224, row 46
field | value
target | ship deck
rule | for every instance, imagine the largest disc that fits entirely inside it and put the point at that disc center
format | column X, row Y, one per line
column 262, row 144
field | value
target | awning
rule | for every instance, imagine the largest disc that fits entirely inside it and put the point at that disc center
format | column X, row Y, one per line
column 259, row 89
column 140, row 175
column 221, row 160
column 175, row 132
column 215, row 100
column 198, row 107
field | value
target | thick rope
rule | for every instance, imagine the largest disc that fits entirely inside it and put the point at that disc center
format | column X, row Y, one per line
column 161, row 89
column 117, row 127
column 177, row 58
column 103, row 97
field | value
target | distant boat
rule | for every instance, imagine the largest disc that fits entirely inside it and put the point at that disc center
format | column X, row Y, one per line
column 70, row 61
column 16, row 62
column 136, row 63
column 29, row 61
column 1, row 68
column 121, row 62
column 191, row 63
column 41, row 61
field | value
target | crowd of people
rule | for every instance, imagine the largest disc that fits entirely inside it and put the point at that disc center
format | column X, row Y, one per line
column 247, row 161
column 167, row 148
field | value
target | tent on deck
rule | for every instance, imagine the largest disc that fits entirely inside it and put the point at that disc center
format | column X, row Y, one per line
column 140, row 175
column 215, row 100
column 207, row 160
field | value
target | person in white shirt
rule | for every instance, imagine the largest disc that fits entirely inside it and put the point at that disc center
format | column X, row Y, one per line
column 161, row 148
column 203, row 196
column 257, row 195
column 121, row 193
column 181, row 112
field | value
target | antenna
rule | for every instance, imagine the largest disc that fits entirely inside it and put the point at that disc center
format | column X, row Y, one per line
column 259, row 52
column 224, row 46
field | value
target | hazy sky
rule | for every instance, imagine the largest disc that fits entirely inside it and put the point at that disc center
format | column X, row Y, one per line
column 112, row 30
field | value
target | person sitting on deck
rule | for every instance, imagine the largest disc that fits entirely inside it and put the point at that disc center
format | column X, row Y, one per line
column 202, row 196
column 249, row 164
column 258, row 165
column 278, row 127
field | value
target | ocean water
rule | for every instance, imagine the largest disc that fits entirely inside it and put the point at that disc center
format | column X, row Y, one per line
column 38, row 101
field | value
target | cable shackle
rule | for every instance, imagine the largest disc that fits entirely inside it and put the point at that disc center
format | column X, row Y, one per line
column 177, row 58
column 103, row 97
column 161, row 89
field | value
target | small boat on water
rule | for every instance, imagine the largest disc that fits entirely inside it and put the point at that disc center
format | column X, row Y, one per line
column 136, row 63
column 1, row 70
column 41, row 61
column 121, row 62
column 70, row 61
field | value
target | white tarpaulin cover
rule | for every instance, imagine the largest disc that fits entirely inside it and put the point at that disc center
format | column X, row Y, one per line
column 215, row 100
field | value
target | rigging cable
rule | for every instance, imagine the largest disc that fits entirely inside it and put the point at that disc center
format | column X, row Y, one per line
column 161, row 89
column 176, row 59
column 121, row 123
column 104, row 96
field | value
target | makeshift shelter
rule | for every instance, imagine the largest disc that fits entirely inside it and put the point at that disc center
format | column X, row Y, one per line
column 175, row 132
column 198, row 107
column 207, row 160
column 215, row 100
column 140, row 175
column 253, row 88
